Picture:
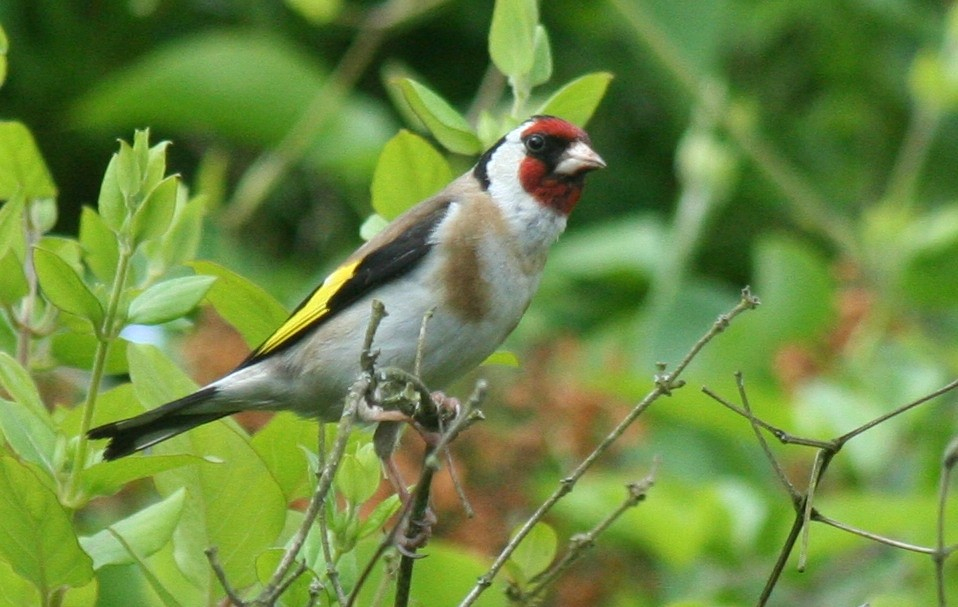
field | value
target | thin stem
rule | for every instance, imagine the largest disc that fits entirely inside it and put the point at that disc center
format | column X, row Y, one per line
column 947, row 465
column 356, row 392
column 579, row 543
column 105, row 334
column 903, row 179
column 25, row 318
column 260, row 178
column 920, row 401
column 664, row 384
column 821, row 518
column 332, row 573
column 212, row 555
column 807, row 207
column 753, row 422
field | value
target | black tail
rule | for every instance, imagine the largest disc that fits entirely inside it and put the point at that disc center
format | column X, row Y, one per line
column 137, row 433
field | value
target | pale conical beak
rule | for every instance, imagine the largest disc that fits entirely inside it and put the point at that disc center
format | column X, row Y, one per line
column 578, row 159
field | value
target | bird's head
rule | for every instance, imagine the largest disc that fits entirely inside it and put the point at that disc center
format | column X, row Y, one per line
column 545, row 158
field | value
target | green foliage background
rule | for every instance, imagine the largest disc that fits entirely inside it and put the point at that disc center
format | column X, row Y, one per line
column 806, row 148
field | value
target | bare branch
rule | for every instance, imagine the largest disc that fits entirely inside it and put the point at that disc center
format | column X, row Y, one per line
column 663, row 384
column 582, row 542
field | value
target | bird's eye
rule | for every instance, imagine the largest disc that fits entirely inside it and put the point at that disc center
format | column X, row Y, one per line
column 535, row 143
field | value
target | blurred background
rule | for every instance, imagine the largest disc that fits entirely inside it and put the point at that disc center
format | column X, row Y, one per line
column 808, row 149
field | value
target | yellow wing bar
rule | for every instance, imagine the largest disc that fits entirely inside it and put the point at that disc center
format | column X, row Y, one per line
column 311, row 310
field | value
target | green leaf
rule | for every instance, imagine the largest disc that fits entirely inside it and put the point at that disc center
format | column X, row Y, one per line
column 18, row 383
column 244, row 86
column 13, row 282
column 144, row 532
column 78, row 349
column 128, row 174
column 373, row 225
column 111, row 203
column 152, row 218
column 297, row 593
column 11, row 226
column 383, row 511
column 182, row 241
column 68, row 249
column 30, row 435
column 278, row 445
column 36, row 537
column 542, row 59
column 106, row 478
column 505, row 358
column 155, row 164
column 156, row 380
column 170, row 299
column 64, row 287
column 100, row 250
column 359, row 475
column 247, row 307
column 512, row 36
column 578, row 100
column 22, row 168
column 409, row 171
column 237, row 506
column 442, row 120
column 534, row 553
column 17, row 591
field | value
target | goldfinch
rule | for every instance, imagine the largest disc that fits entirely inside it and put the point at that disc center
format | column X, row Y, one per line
column 473, row 254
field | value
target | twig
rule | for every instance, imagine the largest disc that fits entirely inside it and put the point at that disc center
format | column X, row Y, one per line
column 947, row 466
column 779, row 472
column 270, row 166
column 664, row 383
column 420, row 502
column 581, row 542
column 357, row 393
column 881, row 539
column 213, row 558
column 920, row 401
column 332, row 573
column 806, row 205
column 805, row 511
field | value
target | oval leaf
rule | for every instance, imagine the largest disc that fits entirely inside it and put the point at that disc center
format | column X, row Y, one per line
column 13, row 282
column 143, row 533
column 153, row 217
column 22, row 168
column 442, row 120
column 542, row 59
column 169, row 299
column 409, row 170
column 577, row 100
column 11, row 225
column 36, row 537
column 29, row 435
column 535, row 552
column 512, row 36
column 100, row 250
column 247, row 307
column 18, row 384
column 64, row 287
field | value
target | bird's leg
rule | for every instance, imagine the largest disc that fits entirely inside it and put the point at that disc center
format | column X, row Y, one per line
column 385, row 439
column 404, row 404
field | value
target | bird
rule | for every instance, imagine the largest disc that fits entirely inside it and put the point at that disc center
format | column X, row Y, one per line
column 471, row 255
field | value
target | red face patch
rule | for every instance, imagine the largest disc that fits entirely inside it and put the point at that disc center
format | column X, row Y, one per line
column 536, row 171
